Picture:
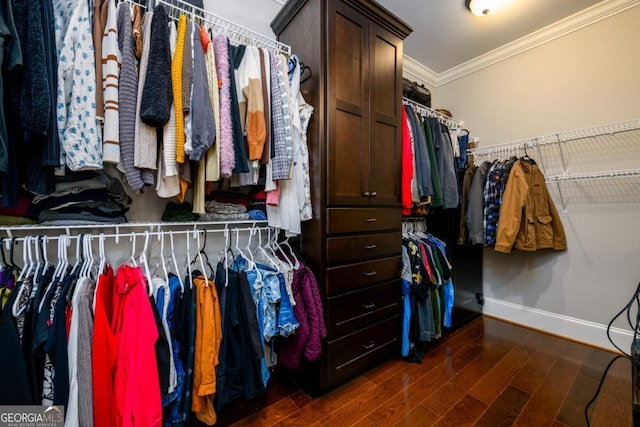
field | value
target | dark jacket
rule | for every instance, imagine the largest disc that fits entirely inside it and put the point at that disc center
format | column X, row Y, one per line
column 446, row 167
column 238, row 371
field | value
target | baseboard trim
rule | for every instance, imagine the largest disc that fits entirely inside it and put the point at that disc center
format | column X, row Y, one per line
column 584, row 331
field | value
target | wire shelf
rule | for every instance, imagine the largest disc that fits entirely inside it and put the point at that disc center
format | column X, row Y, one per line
column 429, row 112
column 233, row 31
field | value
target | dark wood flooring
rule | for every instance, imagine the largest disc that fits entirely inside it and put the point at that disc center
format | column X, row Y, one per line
column 489, row 373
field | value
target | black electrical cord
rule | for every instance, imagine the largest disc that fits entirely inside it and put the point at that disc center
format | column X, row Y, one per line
column 635, row 298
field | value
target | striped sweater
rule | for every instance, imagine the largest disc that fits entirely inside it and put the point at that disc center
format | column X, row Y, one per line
column 110, row 76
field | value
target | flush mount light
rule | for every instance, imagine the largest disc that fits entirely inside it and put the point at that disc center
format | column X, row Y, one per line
column 482, row 7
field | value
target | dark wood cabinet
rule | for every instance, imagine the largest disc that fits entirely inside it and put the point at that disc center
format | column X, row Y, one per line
column 353, row 243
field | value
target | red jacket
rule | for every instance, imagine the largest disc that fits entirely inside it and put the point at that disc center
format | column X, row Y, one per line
column 136, row 382
column 103, row 353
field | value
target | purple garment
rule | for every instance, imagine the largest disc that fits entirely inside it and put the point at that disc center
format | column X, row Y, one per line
column 7, row 278
column 308, row 310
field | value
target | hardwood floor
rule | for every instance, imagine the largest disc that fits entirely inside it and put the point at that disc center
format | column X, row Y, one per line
column 489, row 373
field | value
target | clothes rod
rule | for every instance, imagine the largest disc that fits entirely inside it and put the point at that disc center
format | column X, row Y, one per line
column 220, row 225
column 235, row 32
column 430, row 112
column 556, row 138
column 135, row 235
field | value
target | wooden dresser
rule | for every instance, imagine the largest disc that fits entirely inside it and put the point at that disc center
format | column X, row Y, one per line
column 353, row 243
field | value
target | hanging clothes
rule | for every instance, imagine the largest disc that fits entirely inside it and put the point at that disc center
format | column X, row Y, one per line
column 428, row 292
column 445, row 159
column 208, row 337
column 467, row 181
column 238, row 373
column 14, row 383
column 104, row 352
column 111, row 61
column 528, row 217
column 438, row 199
column 307, row 342
column 80, row 136
column 137, row 397
column 475, row 210
column 407, row 165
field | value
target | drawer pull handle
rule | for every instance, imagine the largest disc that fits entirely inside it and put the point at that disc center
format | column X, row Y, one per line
column 370, row 220
column 373, row 194
column 369, row 346
column 366, row 194
column 369, row 306
column 370, row 273
column 370, row 246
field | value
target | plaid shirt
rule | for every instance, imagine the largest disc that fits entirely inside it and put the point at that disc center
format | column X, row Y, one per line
column 492, row 200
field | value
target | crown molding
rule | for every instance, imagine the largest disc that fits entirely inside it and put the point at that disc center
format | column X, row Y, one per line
column 415, row 71
column 584, row 18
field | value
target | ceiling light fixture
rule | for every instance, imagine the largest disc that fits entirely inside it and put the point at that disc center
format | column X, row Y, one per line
column 482, row 7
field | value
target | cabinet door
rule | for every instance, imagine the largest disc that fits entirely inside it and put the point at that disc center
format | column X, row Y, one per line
column 348, row 104
column 385, row 163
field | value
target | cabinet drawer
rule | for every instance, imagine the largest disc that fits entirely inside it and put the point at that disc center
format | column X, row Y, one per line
column 354, row 310
column 355, row 248
column 354, row 276
column 360, row 350
column 354, row 220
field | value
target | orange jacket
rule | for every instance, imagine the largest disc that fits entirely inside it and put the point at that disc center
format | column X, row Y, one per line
column 528, row 218
column 208, row 338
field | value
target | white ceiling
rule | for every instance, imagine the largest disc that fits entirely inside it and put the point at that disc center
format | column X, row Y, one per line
column 446, row 35
column 448, row 41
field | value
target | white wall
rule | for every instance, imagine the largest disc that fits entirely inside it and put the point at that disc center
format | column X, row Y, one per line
column 586, row 78
column 255, row 15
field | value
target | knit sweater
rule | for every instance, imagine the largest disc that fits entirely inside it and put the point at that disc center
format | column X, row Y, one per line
column 227, row 156
column 33, row 97
column 111, row 74
column 157, row 95
column 127, row 97
column 169, row 131
column 146, row 148
column 176, row 82
column 213, row 154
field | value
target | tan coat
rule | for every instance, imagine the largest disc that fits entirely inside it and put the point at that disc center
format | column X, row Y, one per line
column 528, row 218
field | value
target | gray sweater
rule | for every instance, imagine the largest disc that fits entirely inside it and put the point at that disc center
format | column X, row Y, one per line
column 127, row 98
column 203, row 125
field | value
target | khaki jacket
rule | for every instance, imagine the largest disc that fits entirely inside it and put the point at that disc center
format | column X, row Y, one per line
column 528, row 218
